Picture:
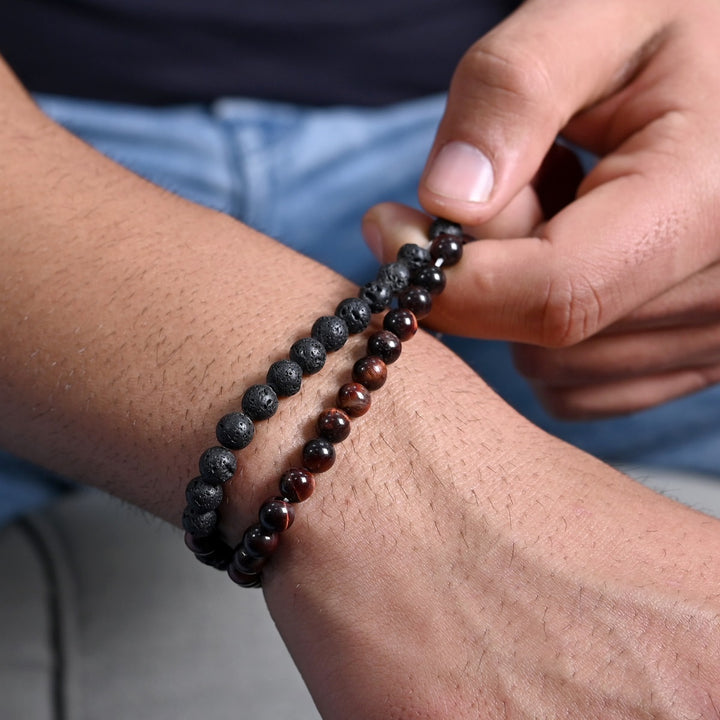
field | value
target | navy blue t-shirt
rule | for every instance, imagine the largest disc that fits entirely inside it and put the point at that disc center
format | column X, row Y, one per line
column 314, row 52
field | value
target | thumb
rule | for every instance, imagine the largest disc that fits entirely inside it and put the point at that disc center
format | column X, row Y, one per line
column 515, row 89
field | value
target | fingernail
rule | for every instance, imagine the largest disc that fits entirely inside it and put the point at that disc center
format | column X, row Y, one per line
column 373, row 238
column 461, row 172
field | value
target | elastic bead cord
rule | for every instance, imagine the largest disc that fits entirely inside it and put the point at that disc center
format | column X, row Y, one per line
column 413, row 279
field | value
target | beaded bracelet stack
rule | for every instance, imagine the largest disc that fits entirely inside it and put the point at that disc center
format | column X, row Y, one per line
column 412, row 280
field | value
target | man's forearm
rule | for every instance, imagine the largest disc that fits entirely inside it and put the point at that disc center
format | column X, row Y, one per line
column 134, row 319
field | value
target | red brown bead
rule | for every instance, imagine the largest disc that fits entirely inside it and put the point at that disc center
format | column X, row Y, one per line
column 432, row 279
column 385, row 345
column 354, row 399
column 416, row 299
column 296, row 485
column 258, row 542
column 370, row 371
column 333, row 425
column 276, row 515
column 402, row 323
column 246, row 580
column 447, row 248
column 318, row 455
column 246, row 563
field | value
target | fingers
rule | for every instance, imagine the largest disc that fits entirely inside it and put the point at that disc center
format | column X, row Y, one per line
column 614, row 357
column 693, row 302
column 612, row 250
column 593, row 402
column 388, row 226
column 516, row 89
column 665, row 349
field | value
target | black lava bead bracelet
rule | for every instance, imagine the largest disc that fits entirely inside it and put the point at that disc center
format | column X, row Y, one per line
column 413, row 279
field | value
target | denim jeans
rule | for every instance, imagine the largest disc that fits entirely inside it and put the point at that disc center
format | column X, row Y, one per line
column 305, row 176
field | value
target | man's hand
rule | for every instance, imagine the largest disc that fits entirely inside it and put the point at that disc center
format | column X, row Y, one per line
column 613, row 277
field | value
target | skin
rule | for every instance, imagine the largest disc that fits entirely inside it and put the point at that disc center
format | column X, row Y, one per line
column 618, row 307
column 455, row 563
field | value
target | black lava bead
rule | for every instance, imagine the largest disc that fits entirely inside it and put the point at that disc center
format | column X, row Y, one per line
column 440, row 226
column 309, row 354
column 217, row 465
column 354, row 399
column 285, row 377
column 432, row 279
column 331, row 331
column 318, row 455
column 402, row 323
column 202, row 496
column 235, row 431
column 414, row 256
column 260, row 402
column 333, row 425
column 356, row 313
column 199, row 524
column 370, row 371
column 395, row 274
column 296, row 484
column 276, row 515
column 416, row 299
column 447, row 248
column 258, row 542
column 378, row 295
column 386, row 345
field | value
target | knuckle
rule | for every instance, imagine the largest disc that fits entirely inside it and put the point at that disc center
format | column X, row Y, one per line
column 572, row 311
column 505, row 67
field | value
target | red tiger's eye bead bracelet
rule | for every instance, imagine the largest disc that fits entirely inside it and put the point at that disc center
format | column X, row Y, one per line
column 413, row 279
